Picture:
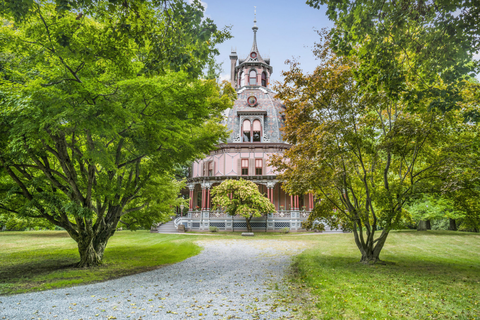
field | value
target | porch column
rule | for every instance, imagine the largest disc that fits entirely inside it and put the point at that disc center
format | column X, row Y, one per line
column 208, row 199
column 270, row 186
column 297, row 203
column 191, row 187
column 292, row 205
column 206, row 195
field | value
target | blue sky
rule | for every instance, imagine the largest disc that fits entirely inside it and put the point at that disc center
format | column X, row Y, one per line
column 286, row 29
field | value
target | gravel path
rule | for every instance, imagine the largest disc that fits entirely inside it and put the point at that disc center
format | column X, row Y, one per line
column 229, row 279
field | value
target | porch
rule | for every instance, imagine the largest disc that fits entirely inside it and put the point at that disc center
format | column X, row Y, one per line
column 198, row 220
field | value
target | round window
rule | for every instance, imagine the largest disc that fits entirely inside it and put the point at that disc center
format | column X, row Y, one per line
column 253, row 55
column 252, row 101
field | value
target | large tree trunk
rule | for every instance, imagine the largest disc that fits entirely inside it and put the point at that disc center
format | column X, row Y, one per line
column 88, row 256
column 428, row 225
column 453, row 225
column 369, row 247
column 92, row 243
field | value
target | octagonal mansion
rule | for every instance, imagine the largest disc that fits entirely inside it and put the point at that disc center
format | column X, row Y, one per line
column 255, row 121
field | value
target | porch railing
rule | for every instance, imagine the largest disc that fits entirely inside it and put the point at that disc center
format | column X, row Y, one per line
column 220, row 214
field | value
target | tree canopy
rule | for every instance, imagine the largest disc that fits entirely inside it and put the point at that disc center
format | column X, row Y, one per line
column 97, row 111
column 363, row 154
column 241, row 197
column 406, row 47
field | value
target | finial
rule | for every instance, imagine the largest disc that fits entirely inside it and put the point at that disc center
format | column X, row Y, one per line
column 255, row 16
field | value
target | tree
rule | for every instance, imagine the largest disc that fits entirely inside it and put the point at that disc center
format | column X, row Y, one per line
column 362, row 154
column 241, row 197
column 406, row 47
column 98, row 109
column 430, row 207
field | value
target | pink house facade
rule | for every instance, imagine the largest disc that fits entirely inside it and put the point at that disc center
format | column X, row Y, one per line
column 255, row 121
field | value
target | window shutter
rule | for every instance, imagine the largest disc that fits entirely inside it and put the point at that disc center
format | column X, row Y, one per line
column 205, row 168
column 239, row 167
column 264, row 165
column 214, row 168
column 251, row 167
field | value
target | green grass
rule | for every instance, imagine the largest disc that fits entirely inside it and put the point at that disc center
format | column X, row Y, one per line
column 429, row 275
column 32, row 261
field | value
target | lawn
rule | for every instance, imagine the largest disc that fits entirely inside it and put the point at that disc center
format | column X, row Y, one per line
column 428, row 275
column 39, row 260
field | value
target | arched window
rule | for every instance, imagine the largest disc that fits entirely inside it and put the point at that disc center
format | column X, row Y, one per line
column 264, row 79
column 246, row 131
column 241, row 79
column 257, row 131
column 253, row 78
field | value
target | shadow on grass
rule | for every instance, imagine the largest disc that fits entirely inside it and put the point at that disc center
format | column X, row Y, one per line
column 41, row 269
column 435, row 233
column 35, row 234
column 36, row 268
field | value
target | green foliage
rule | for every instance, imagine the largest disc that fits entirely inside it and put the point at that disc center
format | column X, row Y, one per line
column 431, row 207
column 96, row 113
column 285, row 230
column 15, row 222
column 406, row 47
column 213, row 229
column 241, row 197
column 362, row 153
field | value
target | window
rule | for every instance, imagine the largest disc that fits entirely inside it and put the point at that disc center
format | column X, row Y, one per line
column 258, row 167
column 241, row 79
column 244, row 167
column 253, row 78
column 246, row 131
column 257, row 131
column 264, row 79
column 210, row 169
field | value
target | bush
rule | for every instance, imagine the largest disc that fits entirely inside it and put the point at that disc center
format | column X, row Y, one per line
column 213, row 229
column 285, row 230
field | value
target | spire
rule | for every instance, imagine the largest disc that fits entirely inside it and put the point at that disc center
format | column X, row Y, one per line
column 255, row 28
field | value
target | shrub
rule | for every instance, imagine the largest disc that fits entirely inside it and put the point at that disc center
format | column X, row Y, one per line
column 213, row 229
column 285, row 230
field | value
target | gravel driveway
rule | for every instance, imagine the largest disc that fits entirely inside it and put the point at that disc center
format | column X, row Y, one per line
column 229, row 279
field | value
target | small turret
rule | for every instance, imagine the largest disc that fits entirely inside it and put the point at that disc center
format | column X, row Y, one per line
column 254, row 70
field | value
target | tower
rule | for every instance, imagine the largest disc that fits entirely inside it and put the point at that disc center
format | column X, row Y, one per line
column 255, row 121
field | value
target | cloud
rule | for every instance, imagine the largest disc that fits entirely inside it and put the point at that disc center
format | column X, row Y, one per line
column 224, row 76
column 204, row 4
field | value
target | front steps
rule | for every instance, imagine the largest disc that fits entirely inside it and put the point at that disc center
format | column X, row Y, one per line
column 168, row 227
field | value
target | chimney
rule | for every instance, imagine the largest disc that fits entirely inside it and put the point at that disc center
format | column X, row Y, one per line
column 233, row 61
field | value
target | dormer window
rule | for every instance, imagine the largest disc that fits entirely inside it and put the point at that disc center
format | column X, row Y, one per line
column 246, row 131
column 257, row 131
column 253, row 78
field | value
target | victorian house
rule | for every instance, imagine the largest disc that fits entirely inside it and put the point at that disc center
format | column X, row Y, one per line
column 255, row 121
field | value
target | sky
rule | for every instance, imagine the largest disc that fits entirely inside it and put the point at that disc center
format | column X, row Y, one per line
column 286, row 29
